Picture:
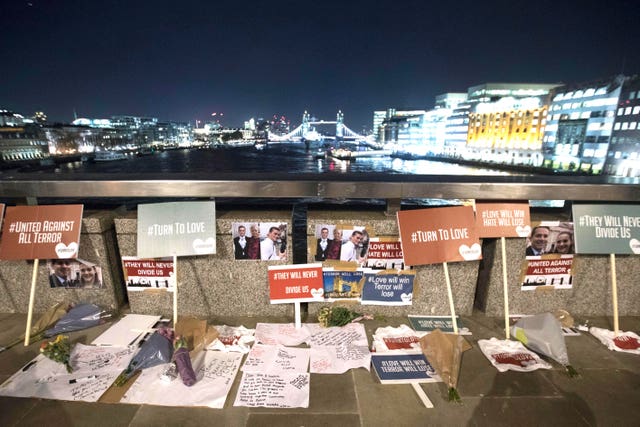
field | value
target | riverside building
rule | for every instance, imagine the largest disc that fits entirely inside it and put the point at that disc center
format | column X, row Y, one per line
column 580, row 125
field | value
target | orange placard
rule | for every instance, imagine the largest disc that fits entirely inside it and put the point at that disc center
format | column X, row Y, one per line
column 503, row 219
column 431, row 236
column 41, row 232
column 291, row 283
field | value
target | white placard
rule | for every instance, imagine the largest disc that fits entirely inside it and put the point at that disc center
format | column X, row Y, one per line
column 126, row 330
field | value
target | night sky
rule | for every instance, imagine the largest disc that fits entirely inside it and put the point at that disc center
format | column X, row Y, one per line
column 184, row 60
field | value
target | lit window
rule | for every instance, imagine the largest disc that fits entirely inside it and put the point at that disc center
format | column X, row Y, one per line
column 620, row 111
column 633, row 125
column 636, row 109
column 632, row 95
column 625, row 126
column 627, row 111
column 616, row 126
column 618, row 154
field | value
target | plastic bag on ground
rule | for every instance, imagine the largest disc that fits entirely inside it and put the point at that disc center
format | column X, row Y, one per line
column 627, row 342
column 508, row 355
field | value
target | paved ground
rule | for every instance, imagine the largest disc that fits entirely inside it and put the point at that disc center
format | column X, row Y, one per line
column 606, row 394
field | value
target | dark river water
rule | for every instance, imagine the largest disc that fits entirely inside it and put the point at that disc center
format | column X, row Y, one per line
column 277, row 158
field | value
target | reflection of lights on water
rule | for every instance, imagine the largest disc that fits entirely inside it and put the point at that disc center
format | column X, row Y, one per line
column 428, row 167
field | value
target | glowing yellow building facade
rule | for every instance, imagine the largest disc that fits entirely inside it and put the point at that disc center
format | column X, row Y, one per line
column 520, row 130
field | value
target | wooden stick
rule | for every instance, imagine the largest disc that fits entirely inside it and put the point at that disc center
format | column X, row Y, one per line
column 505, row 286
column 297, row 314
column 422, row 395
column 453, row 311
column 175, row 290
column 614, row 295
column 32, row 295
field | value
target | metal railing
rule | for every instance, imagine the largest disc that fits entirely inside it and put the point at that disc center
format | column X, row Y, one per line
column 320, row 186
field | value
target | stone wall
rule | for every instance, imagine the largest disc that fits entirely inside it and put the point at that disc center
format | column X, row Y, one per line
column 211, row 285
column 97, row 245
column 430, row 292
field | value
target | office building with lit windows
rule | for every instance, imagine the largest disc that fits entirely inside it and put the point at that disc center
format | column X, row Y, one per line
column 506, row 122
column 21, row 140
column 580, row 123
column 400, row 126
column 623, row 156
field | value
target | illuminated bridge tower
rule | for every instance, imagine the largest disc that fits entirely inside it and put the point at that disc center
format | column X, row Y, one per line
column 340, row 125
column 305, row 123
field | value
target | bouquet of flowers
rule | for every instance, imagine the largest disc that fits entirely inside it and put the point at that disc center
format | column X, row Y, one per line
column 158, row 349
column 58, row 350
column 336, row 316
column 542, row 333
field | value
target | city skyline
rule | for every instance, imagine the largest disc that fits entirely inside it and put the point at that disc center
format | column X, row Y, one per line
column 185, row 62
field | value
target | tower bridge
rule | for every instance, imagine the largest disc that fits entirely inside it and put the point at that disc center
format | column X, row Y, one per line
column 306, row 131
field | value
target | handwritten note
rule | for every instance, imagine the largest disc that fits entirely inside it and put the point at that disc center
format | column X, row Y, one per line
column 337, row 359
column 286, row 390
column 337, row 335
column 281, row 333
column 274, row 359
column 95, row 369
column 215, row 373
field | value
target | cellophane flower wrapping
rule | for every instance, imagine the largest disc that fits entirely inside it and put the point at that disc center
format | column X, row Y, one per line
column 154, row 351
column 542, row 333
column 81, row 316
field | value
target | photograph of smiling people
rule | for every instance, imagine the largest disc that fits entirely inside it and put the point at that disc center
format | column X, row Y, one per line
column 550, row 237
column 74, row 273
column 273, row 246
column 90, row 275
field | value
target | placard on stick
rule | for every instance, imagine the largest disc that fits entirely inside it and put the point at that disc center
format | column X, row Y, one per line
column 439, row 235
column 35, row 232
column 612, row 229
column 503, row 220
column 39, row 232
column 295, row 283
column 432, row 236
column 176, row 229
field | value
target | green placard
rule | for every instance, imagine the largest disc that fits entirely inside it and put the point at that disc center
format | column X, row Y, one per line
column 179, row 228
column 607, row 229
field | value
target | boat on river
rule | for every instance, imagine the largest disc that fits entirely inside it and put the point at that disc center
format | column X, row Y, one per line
column 109, row 156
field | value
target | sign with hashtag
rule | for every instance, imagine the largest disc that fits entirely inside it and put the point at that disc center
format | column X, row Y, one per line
column 503, row 219
column 177, row 228
column 41, row 232
column 607, row 229
column 431, row 236
column 295, row 283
